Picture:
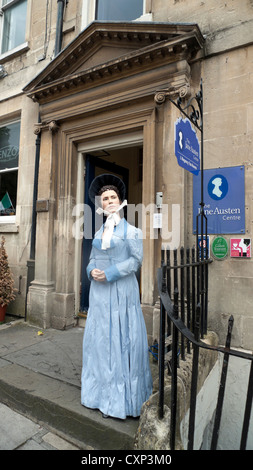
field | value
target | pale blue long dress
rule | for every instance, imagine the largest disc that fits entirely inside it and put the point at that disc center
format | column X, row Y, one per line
column 116, row 377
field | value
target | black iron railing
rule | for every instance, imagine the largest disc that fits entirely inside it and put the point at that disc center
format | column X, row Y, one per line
column 183, row 288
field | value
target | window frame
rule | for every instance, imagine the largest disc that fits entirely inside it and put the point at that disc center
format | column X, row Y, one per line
column 21, row 47
column 10, row 219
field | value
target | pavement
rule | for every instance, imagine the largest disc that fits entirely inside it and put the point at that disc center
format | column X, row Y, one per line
column 18, row 432
column 40, row 373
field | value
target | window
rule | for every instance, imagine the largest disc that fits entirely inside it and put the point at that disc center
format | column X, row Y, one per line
column 9, row 155
column 14, row 24
column 115, row 10
column 119, row 10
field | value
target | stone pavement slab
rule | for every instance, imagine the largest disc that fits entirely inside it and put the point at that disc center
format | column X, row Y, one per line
column 20, row 433
column 55, row 353
column 15, row 429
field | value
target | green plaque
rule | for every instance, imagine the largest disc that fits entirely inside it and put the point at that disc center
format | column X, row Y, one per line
column 220, row 248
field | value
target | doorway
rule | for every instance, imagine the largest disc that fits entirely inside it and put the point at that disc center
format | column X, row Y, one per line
column 125, row 161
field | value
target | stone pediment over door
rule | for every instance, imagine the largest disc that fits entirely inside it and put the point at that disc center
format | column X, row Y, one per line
column 105, row 52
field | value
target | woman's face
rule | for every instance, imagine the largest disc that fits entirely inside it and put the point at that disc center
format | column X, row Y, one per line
column 110, row 200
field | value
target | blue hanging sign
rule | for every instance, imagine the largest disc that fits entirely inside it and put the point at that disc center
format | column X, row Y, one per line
column 187, row 146
column 224, row 198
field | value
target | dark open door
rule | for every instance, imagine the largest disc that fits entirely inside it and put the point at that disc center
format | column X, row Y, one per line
column 94, row 165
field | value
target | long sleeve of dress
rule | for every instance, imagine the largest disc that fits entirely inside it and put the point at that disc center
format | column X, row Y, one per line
column 131, row 264
column 91, row 265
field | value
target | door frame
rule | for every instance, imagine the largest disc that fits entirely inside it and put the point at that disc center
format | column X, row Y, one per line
column 130, row 139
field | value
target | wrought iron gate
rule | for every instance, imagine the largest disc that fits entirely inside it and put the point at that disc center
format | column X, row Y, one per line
column 183, row 289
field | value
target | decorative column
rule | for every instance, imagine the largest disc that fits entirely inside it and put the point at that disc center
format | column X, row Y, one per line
column 40, row 295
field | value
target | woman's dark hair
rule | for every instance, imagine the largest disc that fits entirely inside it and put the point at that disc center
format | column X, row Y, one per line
column 109, row 187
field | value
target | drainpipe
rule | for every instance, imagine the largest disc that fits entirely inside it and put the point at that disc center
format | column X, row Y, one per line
column 59, row 24
column 31, row 260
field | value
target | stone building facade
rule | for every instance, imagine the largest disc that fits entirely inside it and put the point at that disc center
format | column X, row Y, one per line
column 86, row 88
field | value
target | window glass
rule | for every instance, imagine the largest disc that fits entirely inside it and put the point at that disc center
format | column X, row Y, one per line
column 119, row 10
column 9, row 145
column 14, row 25
column 9, row 155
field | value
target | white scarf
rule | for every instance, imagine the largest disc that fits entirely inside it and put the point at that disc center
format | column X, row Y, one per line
column 112, row 220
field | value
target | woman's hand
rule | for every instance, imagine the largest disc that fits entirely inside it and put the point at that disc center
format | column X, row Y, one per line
column 98, row 275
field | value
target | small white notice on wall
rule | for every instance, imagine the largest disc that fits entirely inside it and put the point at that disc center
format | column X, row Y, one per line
column 157, row 220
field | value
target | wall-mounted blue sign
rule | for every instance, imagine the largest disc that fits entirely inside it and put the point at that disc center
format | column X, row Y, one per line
column 224, row 198
column 187, row 146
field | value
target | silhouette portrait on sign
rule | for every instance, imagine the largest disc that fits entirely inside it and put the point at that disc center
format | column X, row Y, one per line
column 217, row 182
column 180, row 143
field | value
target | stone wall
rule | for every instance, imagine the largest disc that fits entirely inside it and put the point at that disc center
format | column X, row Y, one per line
column 154, row 433
column 226, row 70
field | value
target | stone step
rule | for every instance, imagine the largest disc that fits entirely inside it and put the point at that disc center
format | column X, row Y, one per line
column 56, row 403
